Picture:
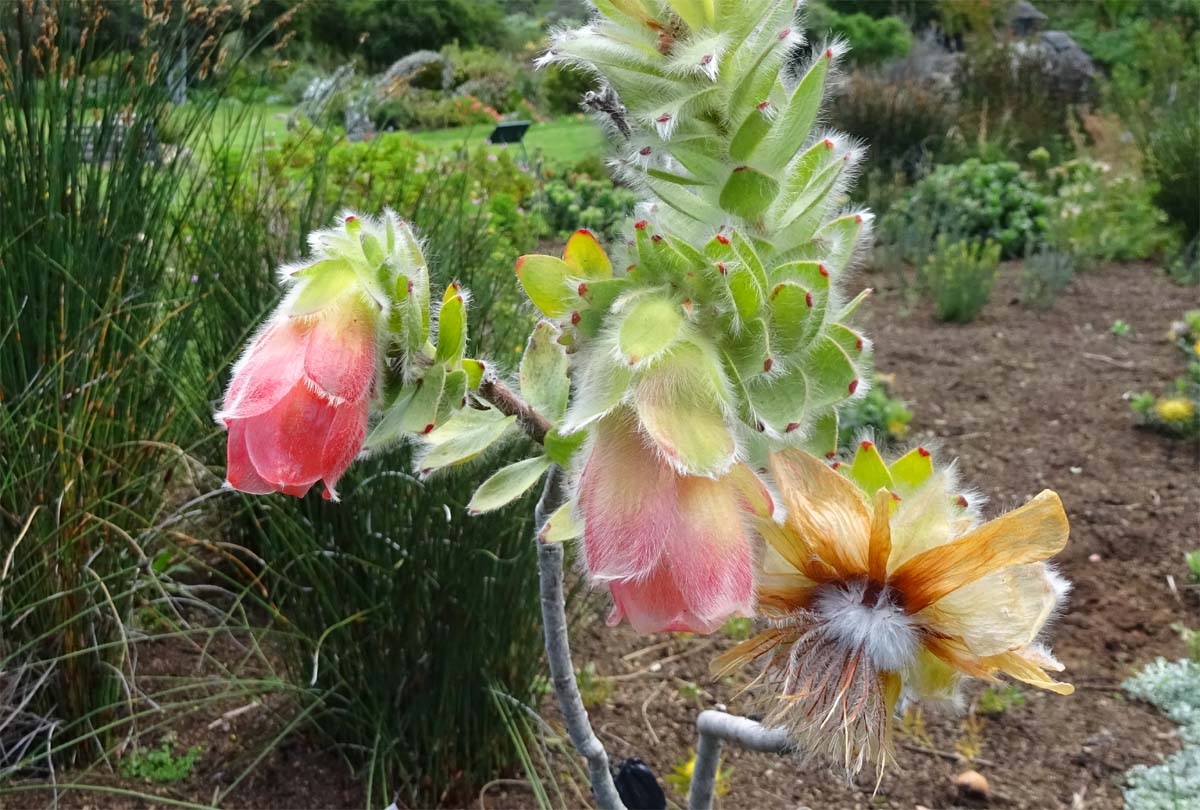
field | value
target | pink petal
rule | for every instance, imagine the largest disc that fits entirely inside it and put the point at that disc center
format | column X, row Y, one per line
column 271, row 366
column 709, row 552
column 345, row 439
column 340, row 359
column 627, row 498
column 286, row 442
column 239, row 472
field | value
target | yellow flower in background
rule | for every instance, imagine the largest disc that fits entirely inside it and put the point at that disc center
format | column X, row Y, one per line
column 1196, row 347
column 1175, row 410
column 681, row 778
column 898, row 594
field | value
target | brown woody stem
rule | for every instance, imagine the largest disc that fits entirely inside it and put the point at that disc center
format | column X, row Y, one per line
column 509, row 403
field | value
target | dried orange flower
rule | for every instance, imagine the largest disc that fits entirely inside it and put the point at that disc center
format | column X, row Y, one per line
column 896, row 594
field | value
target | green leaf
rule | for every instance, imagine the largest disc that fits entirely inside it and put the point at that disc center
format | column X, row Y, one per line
column 852, row 342
column 649, row 328
column 454, row 394
column 840, row 238
column 324, row 283
column 822, row 439
column 744, row 291
column 545, row 281
column 912, row 470
column 474, row 370
column 869, row 470
column 791, row 308
column 748, row 192
column 698, row 14
column 685, row 202
column 680, row 402
column 600, row 383
column 507, row 484
column 390, row 429
column 793, row 125
column 543, row 374
column 452, row 327
column 464, row 436
column 749, row 349
column 584, row 254
column 749, row 134
column 778, row 403
column 421, row 414
column 561, row 525
column 561, row 448
column 831, row 374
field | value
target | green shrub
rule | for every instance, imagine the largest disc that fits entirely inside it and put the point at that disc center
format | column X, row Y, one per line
column 160, row 765
column 563, row 88
column 904, row 119
column 1045, row 275
column 95, row 334
column 958, row 276
column 405, row 613
column 872, row 39
column 579, row 201
column 1100, row 215
column 1172, row 151
column 974, row 200
column 879, row 415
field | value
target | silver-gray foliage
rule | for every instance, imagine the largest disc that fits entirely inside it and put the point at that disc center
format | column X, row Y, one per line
column 1174, row 687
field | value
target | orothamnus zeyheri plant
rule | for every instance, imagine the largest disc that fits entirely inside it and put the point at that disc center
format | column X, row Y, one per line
column 681, row 391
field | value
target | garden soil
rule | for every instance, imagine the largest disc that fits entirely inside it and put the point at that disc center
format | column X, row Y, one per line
column 1025, row 400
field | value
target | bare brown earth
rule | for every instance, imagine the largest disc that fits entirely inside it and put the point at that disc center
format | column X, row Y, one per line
column 1025, row 400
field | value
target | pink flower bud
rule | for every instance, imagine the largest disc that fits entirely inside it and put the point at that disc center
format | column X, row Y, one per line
column 673, row 549
column 296, row 408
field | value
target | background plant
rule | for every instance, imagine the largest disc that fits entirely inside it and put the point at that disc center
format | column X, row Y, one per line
column 958, row 276
column 975, row 200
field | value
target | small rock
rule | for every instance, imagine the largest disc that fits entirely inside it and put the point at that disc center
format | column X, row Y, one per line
column 1093, row 558
column 972, row 785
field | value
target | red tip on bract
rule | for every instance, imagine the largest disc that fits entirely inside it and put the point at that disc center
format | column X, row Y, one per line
column 808, row 299
column 722, row 268
column 645, row 150
column 962, row 501
column 585, row 232
column 858, row 344
column 664, row 118
column 853, row 386
column 706, row 59
column 350, row 219
column 630, row 269
column 582, row 290
column 858, row 219
column 641, row 224
column 785, row 33
column 828, row 143
column 829, row 53
column 922, row 452
column 656, row 238
column 831, row 455
column 428, row 428
column 763, row 106
column 454, row 285
column 836, row 464
column 723, row 239
column 740, row 168
column 410, row 285
column 575, row 318
column 821, row 269
column 791, row 426
column 865, row 445
column 895, row 497
column 770, row 361
column 520, row 262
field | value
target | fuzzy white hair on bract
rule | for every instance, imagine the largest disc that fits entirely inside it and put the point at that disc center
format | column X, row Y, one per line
column 874, row 624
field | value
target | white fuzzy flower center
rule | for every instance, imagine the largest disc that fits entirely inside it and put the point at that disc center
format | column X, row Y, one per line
column 863, row 616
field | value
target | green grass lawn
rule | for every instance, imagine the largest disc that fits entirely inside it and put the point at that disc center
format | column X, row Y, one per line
column 245, row 123
column 566, row 140
column 563, row 141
